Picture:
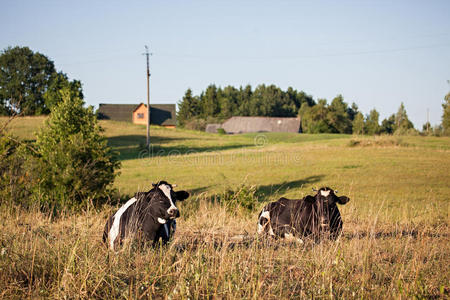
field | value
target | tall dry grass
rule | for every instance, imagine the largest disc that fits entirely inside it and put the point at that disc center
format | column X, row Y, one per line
column 395, row 242
column 216, row 254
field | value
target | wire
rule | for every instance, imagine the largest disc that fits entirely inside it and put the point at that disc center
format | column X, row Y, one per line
column 282, row 57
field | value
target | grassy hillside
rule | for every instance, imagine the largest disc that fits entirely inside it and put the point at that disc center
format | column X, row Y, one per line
column 395, row 242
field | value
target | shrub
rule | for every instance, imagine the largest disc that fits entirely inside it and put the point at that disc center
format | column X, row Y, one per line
column 379, row 141
column 15, row 180
column 74, row 160
column 221, row 131
column 195, row 124
column 242, row 197
column 406, row 131
column 199, row 123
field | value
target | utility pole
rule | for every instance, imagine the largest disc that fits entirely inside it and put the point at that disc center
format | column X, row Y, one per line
column 147, row 54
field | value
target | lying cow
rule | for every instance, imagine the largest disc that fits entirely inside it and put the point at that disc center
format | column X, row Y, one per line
column 149, row 215
column 313, row 216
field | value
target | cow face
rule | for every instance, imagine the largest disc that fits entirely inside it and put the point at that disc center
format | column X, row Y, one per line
column 325, row 207
column 163, row 203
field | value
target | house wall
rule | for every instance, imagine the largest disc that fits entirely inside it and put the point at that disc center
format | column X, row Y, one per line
column 140, row 115
column 261, row 124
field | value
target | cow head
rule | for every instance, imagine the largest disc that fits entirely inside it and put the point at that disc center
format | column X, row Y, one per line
column 325, row 207
column 162, row 201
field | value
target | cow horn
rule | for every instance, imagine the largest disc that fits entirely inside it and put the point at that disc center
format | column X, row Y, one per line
column 174, row 185
column 314, row 189
column 335, row 192
column 154, row 184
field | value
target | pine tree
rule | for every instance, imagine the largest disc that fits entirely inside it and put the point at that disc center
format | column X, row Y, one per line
column 446, row 115
column 188, row 108
column 358, row 124
column 372, row 125
column 388, row 125
column 401, row 120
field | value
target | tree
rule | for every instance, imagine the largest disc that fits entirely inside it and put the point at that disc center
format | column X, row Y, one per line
column 58, row 82
column 24, row 78
column 188, row 108
column 401, row 120
column 358, row 124
column 388, row 125
column 244, row 98
column 338, row 117
column 372, row 125
column 210, row 102
column 352, row 111
column 446, row 115
column 426, row 128
column 228, row 102
column 314, row 119
column 29, row 82
column 76, row 164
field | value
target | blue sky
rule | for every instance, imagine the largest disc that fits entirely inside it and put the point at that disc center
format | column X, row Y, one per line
column 374, row 53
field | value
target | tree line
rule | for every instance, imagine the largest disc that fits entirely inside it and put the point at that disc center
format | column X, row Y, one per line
column 31, row 85
column 216, row 104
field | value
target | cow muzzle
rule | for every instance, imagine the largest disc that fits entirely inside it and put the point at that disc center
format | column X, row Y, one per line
column 173, row 212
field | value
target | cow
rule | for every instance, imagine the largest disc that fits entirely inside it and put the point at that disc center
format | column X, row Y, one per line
column 149, row 216
column 313, row 216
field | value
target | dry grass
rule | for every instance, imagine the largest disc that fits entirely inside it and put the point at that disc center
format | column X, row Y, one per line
column 66, row 259
column 395, row 243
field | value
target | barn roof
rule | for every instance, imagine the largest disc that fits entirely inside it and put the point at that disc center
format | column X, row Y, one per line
column 163, row 114
column 160, row 114
column 261, row 124
column 116, row 112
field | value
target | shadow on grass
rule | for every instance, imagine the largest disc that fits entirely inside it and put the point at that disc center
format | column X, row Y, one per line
column 198, row 191
column 136, row 140
column 281, row 188
column 133, row 147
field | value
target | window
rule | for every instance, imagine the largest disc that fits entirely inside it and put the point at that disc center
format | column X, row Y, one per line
column 140, row 116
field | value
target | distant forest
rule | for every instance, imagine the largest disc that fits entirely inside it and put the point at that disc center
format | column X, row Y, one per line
column 217, row 104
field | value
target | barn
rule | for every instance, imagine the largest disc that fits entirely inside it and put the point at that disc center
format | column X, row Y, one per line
column 160, row 114
column 261, row 124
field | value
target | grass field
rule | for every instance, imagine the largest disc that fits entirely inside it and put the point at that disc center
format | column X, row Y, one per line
column 395, row 242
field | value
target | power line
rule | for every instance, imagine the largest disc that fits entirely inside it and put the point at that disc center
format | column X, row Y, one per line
column 353, row 53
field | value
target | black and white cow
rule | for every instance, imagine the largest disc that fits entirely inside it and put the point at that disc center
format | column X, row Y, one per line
column 148, row 215
column 313, row 216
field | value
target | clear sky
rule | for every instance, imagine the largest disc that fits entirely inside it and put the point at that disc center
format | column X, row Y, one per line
column 374, row 53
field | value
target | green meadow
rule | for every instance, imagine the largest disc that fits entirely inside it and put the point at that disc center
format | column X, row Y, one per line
column 395, row 241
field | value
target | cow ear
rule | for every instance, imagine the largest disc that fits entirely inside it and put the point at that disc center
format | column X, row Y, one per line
column 154, row 184
column 310, row 199
column 343, row 199
column 181, row 195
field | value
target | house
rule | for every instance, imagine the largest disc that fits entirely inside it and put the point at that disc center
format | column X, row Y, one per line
column 160, row 114
column 261, row 124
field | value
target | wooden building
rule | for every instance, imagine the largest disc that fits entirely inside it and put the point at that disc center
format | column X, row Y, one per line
column 160, row 114
column 261, row 124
